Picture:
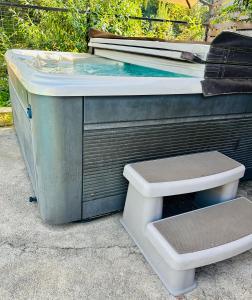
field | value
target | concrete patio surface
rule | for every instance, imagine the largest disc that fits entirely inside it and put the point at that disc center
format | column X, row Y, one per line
column 95, row 260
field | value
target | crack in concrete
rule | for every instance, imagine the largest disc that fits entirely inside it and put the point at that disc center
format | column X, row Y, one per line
column 33, row 248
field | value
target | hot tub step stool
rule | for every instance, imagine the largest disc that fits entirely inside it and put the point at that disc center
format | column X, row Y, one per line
column 199, row 238
column 177, row 245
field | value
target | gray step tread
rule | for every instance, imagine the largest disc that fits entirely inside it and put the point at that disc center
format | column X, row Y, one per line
column 208, row 227
column 185, row 167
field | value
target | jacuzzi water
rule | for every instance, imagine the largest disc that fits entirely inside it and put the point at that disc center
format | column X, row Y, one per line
column 82, row 74
column 95, row 66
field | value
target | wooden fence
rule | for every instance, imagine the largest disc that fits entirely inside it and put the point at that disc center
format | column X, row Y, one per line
column 214, row 29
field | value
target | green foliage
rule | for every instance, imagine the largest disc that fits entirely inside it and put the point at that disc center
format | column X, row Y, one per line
column 113, row 16
column 4, row 97
column 67, row 31
column 237, row 11
column 4, row 91
column 195, row 18
column 51, row 30
column 4, row 45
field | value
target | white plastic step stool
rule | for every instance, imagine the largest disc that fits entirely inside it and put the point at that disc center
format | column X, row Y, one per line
column 194, row 239
column 168, row 244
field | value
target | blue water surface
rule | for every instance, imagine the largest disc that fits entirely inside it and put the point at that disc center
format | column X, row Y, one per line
column 101, row 67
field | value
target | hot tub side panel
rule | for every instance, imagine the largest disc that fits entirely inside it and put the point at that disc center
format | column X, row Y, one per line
column 121, row 130
column 50, row 138
column 57, row 124
column 19, row 101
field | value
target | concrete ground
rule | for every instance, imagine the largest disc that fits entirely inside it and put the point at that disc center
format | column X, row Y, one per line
column 95, row 260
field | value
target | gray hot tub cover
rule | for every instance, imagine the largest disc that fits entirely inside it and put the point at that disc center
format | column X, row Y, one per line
column 185, row 55
column 229, row 65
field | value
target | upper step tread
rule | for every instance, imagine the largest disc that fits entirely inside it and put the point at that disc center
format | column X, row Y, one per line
column 208, row 227
column 184, row 167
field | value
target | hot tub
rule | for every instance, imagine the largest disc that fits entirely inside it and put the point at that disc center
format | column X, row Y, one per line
column 80, row 118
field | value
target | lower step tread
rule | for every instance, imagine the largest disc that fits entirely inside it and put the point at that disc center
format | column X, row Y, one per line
column 208, row 227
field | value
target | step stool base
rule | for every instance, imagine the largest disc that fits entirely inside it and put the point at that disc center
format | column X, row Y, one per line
column 177, row 282
column 216, row 195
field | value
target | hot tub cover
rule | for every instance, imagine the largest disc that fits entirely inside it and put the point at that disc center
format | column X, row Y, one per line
column 226, row 64
column 181, row 50
column 229, row 65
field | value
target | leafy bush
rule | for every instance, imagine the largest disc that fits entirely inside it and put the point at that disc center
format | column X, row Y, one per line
column 50, row 30
column 113, row 16
column 4, row 45
column 195, row 17
column 237, row 10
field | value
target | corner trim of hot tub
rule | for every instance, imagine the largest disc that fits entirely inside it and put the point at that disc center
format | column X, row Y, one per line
column 82, row 159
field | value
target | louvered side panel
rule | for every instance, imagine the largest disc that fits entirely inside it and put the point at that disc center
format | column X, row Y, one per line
column 106, row 151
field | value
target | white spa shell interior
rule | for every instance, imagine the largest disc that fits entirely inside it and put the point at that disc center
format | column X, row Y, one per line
column 51, row 84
